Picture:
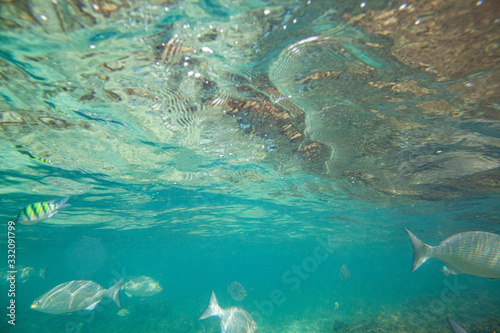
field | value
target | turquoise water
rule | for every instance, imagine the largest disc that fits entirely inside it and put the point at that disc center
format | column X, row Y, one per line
column 264, row 142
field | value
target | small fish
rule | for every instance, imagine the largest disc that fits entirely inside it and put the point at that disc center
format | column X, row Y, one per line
column 123, row 312
column 232, row 320
column 455, row 327
column 473, row 252
column 141, row 286
column 446, row 271
column 40, row 211
column 26, row 273
column 345, row 273
column 336, row 306
column 74, row 296
column 236, row 290
column 23, row 274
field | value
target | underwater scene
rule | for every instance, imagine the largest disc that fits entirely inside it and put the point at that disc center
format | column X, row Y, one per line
column 243, row 166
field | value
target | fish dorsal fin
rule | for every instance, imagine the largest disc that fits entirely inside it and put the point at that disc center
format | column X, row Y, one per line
column 91, row 306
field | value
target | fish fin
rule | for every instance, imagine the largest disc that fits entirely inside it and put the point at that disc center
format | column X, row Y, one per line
column 114, row 292
column 49, row 215
column 213, row 308
column 129, row 295
column 62, row 204
column 493, row 279
column 455, row 327
column 421, row 251
column 91, row 306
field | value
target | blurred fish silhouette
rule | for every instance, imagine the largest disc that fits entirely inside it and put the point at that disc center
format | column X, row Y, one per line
column 39, row 211
column 142, row 286
column 24, row 273
column 336, row 306
column 236, row 290
column 455, row 327
column 232, row 320
column 27, row 272
column 446, row 271
column 345, row 273
column 473, row 252
column 74, row 296
column 123, row 312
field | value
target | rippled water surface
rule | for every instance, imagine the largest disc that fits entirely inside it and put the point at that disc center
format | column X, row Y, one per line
column 204, row 142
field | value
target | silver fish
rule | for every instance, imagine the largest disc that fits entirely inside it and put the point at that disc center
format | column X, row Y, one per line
column 142, row 286
column 74, row 296
column 455, row 327
column 473, row 252
column 345, row 273
column 232, row 320
column 237, row 292
column 39, row 211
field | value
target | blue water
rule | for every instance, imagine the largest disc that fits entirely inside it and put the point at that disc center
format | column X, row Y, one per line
column 264, row 142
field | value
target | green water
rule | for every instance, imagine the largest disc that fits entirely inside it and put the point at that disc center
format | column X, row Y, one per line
column 264, row 142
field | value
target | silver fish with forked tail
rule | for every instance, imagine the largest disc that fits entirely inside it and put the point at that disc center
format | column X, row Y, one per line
column 232, row 320
column 473, row 252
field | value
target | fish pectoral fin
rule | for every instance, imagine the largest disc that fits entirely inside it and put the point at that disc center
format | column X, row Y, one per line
column 129, row 295
column 91, row 306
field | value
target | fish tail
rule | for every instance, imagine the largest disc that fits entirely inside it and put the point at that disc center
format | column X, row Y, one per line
column 421, row 251
column 213, row 308
column 114, row 292
column 62, row 204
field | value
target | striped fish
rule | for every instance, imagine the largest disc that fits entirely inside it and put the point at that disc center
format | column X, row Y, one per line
column 40, row 211
column 473, row 252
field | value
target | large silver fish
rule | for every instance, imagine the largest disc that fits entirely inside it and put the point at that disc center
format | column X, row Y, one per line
column 232, row 320
column 39, row 211
column 142, row 286
column 473, row 252
column 74, row 296
column 236, row 290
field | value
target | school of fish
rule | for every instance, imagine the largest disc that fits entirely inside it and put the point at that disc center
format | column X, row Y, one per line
column 473, row 252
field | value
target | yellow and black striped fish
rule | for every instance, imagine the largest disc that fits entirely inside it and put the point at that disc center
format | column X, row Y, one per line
column 40, row 211
column 473, row 252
